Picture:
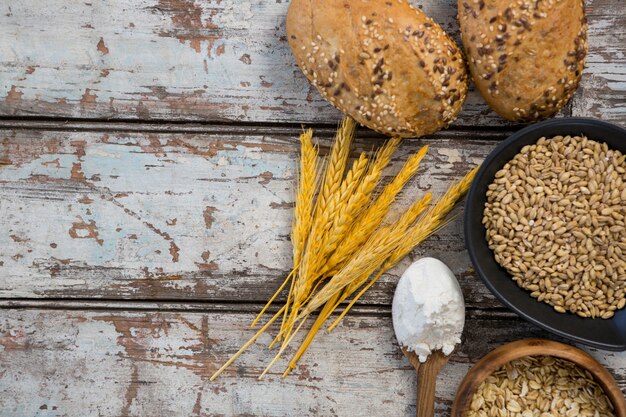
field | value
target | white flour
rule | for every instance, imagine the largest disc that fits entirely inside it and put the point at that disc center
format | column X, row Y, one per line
column 428, row 308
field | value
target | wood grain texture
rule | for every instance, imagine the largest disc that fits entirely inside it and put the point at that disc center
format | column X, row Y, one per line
column 133, row 256
column 160, row 216
column 602, row 91
column 77, row 363
column 218, row 60
column 427, row 376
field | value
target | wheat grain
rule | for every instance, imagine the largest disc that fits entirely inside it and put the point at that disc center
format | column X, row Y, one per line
column 540, row 386
column 559, row 230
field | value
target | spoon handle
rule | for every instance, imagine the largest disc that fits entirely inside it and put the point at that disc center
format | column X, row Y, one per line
column 426, row 382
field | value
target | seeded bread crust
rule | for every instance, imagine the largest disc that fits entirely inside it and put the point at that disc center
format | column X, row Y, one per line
column 384, row 63
column 526, row 57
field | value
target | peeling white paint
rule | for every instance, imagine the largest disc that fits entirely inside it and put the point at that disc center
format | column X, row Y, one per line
column 226, row 60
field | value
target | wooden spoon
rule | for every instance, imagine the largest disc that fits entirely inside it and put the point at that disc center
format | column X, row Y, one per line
column 426, row 379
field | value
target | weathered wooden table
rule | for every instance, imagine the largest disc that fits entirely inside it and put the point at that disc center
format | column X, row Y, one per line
column 147, row 156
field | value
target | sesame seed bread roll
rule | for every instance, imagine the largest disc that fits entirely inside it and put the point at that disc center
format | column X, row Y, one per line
column 384, row 63
column 526, row 57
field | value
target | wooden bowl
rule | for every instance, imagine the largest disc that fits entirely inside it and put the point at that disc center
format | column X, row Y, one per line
column 535, row 347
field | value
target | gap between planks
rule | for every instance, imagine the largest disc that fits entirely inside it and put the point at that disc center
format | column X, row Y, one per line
column 231, row 128
column 238, row 307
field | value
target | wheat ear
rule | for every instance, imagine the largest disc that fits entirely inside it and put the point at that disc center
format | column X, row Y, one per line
column 332, row 193
column 373, row 216
column 400, row 227
column 420, row 231
column 336, row 163
column 324, row 229
column 362, row 264
column 359, row 199
column 303, row 213
column 329, row 197
column 370, row 256
column 424, row 227
column 433, row 219
column 341, row 223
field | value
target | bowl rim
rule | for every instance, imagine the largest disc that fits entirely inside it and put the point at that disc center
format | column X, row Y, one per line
column 535, row 347
column 469, row 234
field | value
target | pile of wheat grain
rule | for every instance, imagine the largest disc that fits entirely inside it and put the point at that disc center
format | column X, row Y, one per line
column 540, row 386
column 555, row 219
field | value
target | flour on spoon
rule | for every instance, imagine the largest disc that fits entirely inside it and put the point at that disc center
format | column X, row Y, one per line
column 428, row 308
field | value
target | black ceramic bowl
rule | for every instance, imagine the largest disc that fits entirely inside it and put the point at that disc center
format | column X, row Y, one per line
column 604, row 334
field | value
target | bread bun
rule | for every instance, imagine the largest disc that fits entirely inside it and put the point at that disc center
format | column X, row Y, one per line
column 526, row 57
column 384, row 63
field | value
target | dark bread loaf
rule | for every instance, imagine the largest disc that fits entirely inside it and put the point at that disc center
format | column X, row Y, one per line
column 527, row 56
column 385, row 63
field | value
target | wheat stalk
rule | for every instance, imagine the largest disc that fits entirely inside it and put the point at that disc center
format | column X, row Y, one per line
column 341, row 223
column 303, row 212
column 433, row 219
column 336, row 163
column 329, row 200
column 424, row 227
column 321, row 318
column 340, row 241
column 247, row 344
column 373, row 216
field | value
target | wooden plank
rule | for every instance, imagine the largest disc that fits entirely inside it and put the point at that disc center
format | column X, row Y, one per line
column 68, row 363
column 216, row 60
column 178, row 216
column 603, row 87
